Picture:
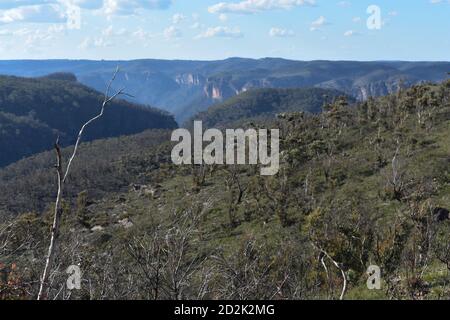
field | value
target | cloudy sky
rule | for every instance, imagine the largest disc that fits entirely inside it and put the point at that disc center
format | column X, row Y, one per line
column 217, row 29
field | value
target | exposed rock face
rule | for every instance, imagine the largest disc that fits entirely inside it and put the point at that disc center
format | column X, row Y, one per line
column 125, row 223
column 219, row 89
column 189, row 79
column 216, row 93
column 211, row 91
column 97, row 229
column 363, row 91
column 147, row 190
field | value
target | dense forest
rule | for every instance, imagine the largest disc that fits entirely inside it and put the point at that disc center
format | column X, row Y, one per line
column 360, row 184
column 34, row 111
column 265, row 104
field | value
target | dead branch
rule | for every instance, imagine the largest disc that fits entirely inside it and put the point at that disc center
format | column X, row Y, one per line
column 337, row 265
column 62, row 177
column 106, row 100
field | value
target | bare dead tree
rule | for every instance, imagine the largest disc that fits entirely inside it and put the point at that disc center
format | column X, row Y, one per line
column 198, row 176
column 337, row 265
column 62, row 178
column 149, row 256
column 396, row 178
column 165, row 262
column 5, row 237
column 242, row 273
column 236, row 193
column 279, row 197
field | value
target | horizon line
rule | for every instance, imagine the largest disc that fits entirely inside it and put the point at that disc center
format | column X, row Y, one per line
column 224, row 59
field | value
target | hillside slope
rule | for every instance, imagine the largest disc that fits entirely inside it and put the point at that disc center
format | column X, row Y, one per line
column 359, row 185
column 33, row 112
column 103, row 167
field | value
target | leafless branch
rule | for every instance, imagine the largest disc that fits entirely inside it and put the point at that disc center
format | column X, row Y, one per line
column 62, row 177
column 106, row 101
column 337, row 265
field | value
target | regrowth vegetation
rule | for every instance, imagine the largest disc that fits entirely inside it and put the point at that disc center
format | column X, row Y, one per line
column 359, row 185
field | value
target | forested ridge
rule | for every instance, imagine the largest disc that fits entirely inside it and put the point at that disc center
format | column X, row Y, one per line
column 360, row 184
column 34, row 111
column 265, row 104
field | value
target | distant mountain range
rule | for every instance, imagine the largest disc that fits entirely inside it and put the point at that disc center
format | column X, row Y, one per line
column 34, row 111
column 187, row 87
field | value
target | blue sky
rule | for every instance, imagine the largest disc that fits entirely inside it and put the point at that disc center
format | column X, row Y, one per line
column 217, row 29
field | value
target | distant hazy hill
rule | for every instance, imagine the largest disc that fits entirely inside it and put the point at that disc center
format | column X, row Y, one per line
column 34, row 111
column 187, row 87
column 266, row 103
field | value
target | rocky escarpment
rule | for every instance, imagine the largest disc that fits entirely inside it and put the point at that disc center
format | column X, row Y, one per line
column 189, row 79
column 363, row 91
column 222, row 89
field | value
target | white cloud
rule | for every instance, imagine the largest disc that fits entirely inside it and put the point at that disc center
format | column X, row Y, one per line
column 344, row 4
column 12, row 4
column 85, row 44
column 110, row 32
column 131, row 7
column 22, row 32
column 90, row 43
column 196, row 21
column 143, row 35
column 37, row 13
column 31, row 40
column 178, row 18
column 350, row 33
column 196, row 25
column 84, row 4
column 172, row 32
column 102, row 43
column 220, row 31
column 255, row 6
column 223, row 17
column 279, row 32
column 38, row 38
column 44, row 11
column 317, row 24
